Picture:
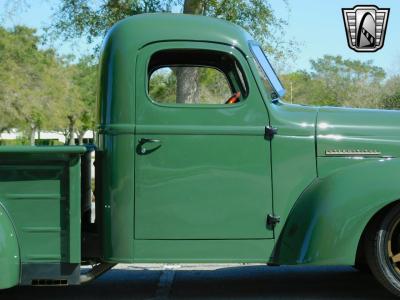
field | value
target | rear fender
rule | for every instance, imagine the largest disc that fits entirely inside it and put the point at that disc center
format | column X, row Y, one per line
column 9, row 252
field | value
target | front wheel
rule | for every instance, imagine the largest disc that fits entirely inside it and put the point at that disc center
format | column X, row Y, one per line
column 383, row 250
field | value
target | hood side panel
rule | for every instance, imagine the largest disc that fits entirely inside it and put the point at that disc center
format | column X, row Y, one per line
column 350, row 131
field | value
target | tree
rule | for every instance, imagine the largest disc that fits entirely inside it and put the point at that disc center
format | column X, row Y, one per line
column 67, row 100
column 85, row 79
column 391, row 93
column 80, row 18
column 186, row 91
column 26, row 76
column 337, row 81
column 8, row 86
column 77, row 18
column 40, row 91
column 348, row 82
column 303, row 88
column 76, row 97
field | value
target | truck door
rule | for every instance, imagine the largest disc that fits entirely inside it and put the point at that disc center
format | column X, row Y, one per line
column 202, row 164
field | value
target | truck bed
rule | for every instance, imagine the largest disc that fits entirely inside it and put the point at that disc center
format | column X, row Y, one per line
column 40, row 191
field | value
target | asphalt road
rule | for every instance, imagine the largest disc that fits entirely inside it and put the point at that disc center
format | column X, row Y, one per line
column 216, row 282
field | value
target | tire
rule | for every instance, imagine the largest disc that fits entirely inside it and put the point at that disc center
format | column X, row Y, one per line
column 382, row 250
column 363, row 268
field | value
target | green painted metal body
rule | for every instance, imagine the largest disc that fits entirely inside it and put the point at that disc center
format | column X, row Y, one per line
column 9, row 252
column 39, row 208
column 328, row 218
column 205, row 194
column 177, row 204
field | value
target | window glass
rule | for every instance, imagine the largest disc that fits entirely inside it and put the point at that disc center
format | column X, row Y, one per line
column 189, row 85
column 267, row 73
column 188, row 76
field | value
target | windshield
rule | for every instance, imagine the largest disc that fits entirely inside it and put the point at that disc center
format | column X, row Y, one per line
column 270, row 79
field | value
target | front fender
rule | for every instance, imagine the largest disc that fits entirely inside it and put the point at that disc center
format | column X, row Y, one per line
column 9, row 252
column 326, row 222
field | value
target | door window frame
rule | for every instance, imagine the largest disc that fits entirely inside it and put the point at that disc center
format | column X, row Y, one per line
column 148, row 51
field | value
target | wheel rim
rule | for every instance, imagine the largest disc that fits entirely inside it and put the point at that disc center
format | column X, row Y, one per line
column 393, row 246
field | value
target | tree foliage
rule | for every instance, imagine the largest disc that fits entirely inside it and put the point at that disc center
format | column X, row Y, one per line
column 77, row 18
column 27, row 81
column 339, row 82
column 212, row 86
column 38, row 89
column 391, row 93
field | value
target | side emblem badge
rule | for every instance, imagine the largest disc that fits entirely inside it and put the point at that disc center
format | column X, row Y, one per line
column 352, row 153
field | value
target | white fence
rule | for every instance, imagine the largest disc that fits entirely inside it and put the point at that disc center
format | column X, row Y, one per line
column 43, row 135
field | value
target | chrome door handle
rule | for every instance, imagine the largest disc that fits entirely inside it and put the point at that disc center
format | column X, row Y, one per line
column 142, row 150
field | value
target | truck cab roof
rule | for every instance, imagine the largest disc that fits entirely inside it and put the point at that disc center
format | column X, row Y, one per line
column 128, row 37
column 140, row 30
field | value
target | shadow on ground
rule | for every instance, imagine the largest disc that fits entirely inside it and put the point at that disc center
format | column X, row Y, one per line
column 251, row 282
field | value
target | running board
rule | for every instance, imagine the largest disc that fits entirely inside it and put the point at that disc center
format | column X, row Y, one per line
column 96, row 271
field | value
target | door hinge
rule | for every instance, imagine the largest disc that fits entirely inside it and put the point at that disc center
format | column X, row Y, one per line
column 272, row 220
column 270, row 132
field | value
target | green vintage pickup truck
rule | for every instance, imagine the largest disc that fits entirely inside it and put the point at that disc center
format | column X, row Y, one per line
column 198, row 160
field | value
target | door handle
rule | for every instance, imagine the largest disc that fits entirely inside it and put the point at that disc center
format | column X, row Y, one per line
column 141, row 150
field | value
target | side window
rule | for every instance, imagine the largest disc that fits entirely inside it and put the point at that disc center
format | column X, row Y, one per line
column 195, row 77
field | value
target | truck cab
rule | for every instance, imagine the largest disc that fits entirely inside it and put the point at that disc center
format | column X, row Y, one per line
column 190, row 131
column 199, row 160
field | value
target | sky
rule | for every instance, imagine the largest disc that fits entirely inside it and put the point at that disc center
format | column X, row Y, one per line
column 316, row 26
column 37, row 15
